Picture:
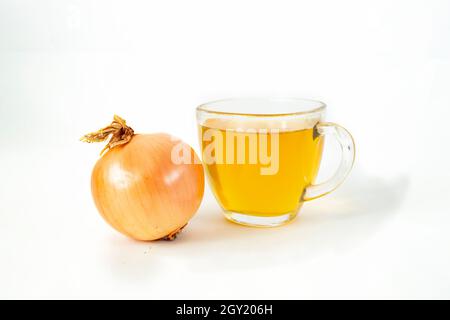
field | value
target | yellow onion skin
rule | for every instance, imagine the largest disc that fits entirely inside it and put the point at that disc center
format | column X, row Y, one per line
column 141, row 193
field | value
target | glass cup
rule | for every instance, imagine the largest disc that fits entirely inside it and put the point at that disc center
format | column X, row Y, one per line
column 262, row 156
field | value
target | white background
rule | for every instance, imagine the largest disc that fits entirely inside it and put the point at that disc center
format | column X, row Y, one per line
column 383, row 68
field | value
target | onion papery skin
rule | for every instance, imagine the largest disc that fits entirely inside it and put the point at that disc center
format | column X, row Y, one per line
column 141, row 193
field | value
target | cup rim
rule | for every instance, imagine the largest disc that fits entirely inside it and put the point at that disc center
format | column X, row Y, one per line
column 207, row 107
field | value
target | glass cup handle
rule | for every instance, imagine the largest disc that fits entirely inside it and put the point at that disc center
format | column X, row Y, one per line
column 345, row 139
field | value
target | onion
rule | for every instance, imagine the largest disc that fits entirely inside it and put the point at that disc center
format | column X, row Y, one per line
column 138, row 189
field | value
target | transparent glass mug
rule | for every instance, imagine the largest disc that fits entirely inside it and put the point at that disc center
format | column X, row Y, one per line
column 262, row 156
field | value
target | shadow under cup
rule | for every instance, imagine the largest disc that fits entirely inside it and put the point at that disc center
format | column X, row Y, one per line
column 262, row 156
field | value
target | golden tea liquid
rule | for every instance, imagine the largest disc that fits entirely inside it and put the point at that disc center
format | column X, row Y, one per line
column 258, row 172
